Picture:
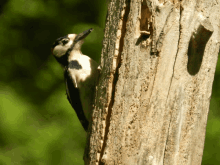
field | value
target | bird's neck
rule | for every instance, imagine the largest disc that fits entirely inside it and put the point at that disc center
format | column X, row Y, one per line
column 65, row 59
column 74, row 55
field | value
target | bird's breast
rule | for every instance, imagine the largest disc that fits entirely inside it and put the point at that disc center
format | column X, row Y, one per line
column 80, row 76
column 82, row 71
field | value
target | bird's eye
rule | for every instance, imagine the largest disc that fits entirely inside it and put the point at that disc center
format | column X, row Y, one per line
column 65, row 41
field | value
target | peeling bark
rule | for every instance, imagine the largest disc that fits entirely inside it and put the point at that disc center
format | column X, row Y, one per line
column 152, row 100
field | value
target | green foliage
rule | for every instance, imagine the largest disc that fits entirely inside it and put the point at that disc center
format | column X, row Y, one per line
column 38, row 125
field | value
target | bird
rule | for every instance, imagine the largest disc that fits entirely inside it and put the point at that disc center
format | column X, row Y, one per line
column 80, row 73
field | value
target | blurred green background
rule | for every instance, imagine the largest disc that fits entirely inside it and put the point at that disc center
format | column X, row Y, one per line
column 37, row 124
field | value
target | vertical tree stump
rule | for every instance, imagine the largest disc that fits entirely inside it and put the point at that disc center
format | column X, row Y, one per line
column 152, row 101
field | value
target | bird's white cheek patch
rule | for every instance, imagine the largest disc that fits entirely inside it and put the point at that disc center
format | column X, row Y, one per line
column 60, row 50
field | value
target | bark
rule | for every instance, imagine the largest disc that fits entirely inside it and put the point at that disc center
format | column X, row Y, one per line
column 152, row 100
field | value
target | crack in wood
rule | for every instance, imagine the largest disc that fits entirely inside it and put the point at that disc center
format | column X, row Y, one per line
column 172, row 80
column 116, row 65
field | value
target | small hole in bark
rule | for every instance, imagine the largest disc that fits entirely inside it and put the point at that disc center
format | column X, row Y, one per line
column 145, row 18
column 142, row 38
column 145, row 23
column 196, row 49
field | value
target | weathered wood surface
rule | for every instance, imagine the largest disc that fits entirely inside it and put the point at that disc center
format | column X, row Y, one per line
column 152, row 101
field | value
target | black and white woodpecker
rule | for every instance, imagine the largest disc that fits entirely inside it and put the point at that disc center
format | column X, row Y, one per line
column 80, row 74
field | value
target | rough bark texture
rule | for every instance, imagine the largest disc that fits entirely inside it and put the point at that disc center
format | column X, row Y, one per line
column 152, row 100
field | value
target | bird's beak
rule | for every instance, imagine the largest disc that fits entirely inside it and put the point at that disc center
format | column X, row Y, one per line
column 83, row 35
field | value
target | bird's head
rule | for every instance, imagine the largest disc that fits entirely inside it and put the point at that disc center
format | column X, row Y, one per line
column 63, row 46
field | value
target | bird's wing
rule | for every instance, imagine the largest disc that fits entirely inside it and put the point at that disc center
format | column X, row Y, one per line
column 74, row 99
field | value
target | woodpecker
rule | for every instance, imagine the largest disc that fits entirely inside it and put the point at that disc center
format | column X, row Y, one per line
column 80, row 74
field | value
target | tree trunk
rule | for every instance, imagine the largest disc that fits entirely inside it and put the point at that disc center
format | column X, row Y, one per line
column 152, row 100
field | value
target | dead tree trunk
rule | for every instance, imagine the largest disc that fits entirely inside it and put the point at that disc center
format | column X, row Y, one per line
column 152, row 101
